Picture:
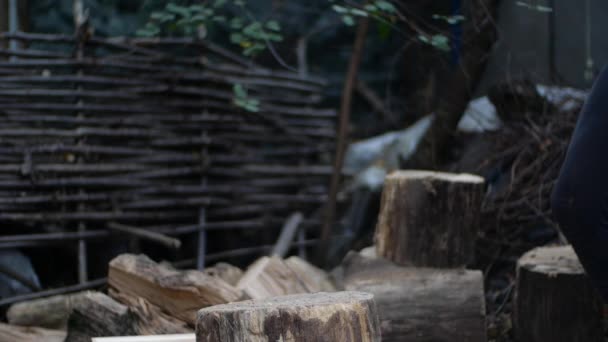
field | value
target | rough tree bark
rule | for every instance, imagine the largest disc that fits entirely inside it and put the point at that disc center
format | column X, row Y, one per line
column 479, row 35
column 420, row 304
column 429, row 219
column 554, row 299
column 99, row 315
column 51, row 312
column 331, row 317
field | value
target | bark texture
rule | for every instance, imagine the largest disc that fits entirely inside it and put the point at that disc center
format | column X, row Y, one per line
column 554, row 299
column 330, row 317
column 420, row 304
column 13, row 333
column 429, row 219
column 51, row 312
column 99, row 315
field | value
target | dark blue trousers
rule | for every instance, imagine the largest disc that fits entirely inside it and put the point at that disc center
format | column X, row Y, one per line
column 580, row 197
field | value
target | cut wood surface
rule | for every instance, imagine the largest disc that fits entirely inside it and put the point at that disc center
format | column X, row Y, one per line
column 51, row 312
column 554, row 299
column 420, row 304
column 178, row 293
column 331, row 317
column 429, row 219
column 313, row 278
column 272, row 276
column 14, row 333
column 229, row 273
column 99, row 315
column 149, row 318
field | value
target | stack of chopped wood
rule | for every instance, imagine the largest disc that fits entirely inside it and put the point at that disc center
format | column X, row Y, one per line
column 149, row 298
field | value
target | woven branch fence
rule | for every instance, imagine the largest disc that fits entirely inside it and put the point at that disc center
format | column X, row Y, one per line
column 97, row 134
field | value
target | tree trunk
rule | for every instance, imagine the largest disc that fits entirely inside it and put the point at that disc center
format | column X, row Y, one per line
column 331, row 317
column 480, row 35
column 554, row 299
column 429, row 219
column 420, row 304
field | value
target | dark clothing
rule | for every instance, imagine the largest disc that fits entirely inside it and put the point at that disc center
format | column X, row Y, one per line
column 580, row 197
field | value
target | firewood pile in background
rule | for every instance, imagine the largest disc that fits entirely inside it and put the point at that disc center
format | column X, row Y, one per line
column 171, row 141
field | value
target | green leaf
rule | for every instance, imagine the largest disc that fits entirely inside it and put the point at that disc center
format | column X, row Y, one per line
column 236, row 38
column 348, row 20
column 253, row 30
column 239, row 91
column 219, row 3
column 340, row 9
column 181, row 10
column 197, row 8
column 219, row 19
column 274, row 37
column 384, row 30
column 370, row 8
column 273, row 25
column 236, row 23
column 253, row 49
column 198, row 18
column 358, row 12
column 240, row 3
column 385, row 6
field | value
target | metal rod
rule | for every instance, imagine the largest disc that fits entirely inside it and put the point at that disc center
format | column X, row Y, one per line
column 13, row 22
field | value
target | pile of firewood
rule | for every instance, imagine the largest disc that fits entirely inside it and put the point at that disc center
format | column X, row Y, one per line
column 149, row 298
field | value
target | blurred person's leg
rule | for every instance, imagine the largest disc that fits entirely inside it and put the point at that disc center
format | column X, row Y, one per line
column 580, row 197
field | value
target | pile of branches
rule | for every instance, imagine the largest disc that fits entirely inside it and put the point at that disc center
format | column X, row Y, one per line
column 521, row 163
column 528, row 153
column 156, row 138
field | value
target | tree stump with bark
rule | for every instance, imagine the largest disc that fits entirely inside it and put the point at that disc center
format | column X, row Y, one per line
column 331, row 317
column 429, row 219
column 554, row 299
column 420, row 304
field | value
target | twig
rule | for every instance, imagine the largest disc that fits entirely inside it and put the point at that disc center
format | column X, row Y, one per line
column 345, row 108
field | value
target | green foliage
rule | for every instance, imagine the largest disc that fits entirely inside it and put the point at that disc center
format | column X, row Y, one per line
column 438, row 41
column 374, row 9
column 534, row 7
column 242, row 100
column 450, row 19
column 250, row 35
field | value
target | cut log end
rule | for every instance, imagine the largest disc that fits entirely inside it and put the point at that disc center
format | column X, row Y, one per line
column 554, row 299
column 339, row 316
column 435, row 175
column 557, row 260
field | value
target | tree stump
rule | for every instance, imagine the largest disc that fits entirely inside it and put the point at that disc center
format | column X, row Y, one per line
column 429, row 219
column 331, row 317
column 554, row 299
column 420, row 304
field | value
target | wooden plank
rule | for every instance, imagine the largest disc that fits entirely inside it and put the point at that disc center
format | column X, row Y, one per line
column 154, row 338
